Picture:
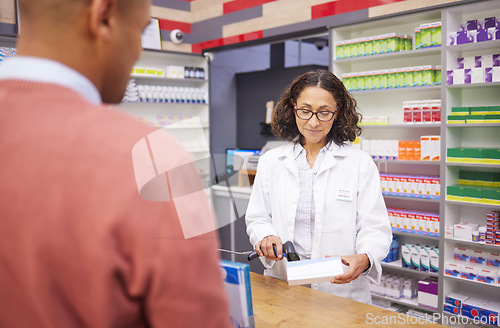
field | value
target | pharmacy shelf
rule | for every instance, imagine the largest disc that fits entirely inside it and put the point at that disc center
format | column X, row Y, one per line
column 416, row 235
column 492, row 44
column 396, row 54
column 397, row 265
column 406, row 162
column 456, row 202
column 473, row 243
column 165, row 79
column 472, row 281
column 469, row 125
column 405, row 126
column 405, row 89
column 426, row 200
column 472, row 164
column 473, row 85
column 410, row 302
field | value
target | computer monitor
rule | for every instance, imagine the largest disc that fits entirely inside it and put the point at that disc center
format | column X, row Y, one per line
column 235, row 158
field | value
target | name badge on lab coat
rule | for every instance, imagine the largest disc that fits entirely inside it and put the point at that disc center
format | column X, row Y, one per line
column 344, row 194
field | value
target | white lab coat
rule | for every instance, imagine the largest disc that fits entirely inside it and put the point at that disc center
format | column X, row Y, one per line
column 350, row 213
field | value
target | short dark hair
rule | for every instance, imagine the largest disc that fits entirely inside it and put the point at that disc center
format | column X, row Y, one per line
column 344, row 127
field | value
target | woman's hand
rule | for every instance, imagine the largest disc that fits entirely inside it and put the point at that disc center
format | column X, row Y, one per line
column 265, row 248
column 357, row 264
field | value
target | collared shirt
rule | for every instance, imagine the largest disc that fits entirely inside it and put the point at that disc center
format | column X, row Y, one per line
column 304, row 219
column 49, row 71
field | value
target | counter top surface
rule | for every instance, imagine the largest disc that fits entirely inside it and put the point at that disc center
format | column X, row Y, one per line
column 276, row 304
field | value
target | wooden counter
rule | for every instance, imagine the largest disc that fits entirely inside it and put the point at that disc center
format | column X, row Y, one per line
column 275, row 304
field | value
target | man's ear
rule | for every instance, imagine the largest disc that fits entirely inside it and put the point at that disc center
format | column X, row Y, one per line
column 101, row 17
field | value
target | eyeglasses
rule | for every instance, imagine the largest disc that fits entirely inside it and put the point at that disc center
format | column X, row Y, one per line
column 306, row 114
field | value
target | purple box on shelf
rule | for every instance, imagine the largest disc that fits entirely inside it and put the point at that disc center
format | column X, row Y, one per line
column 489, row 22
column 478, row 61
column 496, row 59
column 484, row 34
column 467, row 76
column 463, row 37
column 460, row 63
column 428, row 292
column 472, row 25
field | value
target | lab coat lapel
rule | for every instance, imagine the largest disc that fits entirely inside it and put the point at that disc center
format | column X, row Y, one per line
column 289, row 160
column 329, row 160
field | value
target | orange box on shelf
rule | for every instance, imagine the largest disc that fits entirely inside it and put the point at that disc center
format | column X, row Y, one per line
column 409, row 150
column 416, row 150
column 402, row 150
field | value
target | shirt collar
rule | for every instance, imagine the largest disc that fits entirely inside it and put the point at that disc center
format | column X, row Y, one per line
column 49, row 71
column 298, row 149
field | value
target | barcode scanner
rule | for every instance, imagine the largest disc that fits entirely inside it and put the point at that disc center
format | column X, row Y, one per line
column 288, row 252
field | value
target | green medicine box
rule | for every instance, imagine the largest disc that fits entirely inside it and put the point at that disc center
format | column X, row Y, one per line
column 456, row 119
column 360, row 82
column 460, row 110
column 496, row 179
column 408, row 43
column 418, row 38
column 455, row 193
column 392, row 43
column 475, row 119
column 425, row 35
column 455, row 154
column 418, row 76
column 485, row 179
column 399, row 79
column 427, row 75
column 472, row 194
column 360, row 48
column 376, row 44
column 391, row 78
column 491, row 156
column 436, row 34
column 494, row 110
column 368, row 82
column 382, row 79
column 492, row 118
column 408, row 76
column 479, row 110
column 467, row 178
column 437, row 75
column 490, row 196
column 473, row 155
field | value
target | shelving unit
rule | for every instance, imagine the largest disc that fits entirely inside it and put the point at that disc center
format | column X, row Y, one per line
column 194, row 134
column 388, row 102
column 467, row 135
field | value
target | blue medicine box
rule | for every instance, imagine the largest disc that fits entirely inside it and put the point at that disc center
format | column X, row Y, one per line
column 471, row 308
column 451, row 309
column 490, row 312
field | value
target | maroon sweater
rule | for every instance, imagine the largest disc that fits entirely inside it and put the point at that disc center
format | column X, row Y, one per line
column 78, row 246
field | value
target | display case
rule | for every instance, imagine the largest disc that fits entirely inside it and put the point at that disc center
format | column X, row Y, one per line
column 170, row 91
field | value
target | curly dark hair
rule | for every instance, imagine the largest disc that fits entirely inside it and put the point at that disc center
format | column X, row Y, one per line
column 344, row 127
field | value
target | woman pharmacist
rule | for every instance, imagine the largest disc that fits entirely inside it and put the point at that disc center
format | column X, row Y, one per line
column 319, row 192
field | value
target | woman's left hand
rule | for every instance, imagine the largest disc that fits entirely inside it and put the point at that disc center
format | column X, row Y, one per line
column 357, row 264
